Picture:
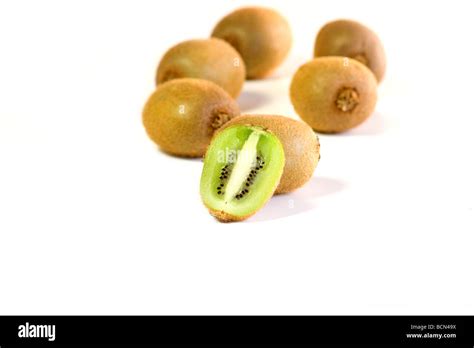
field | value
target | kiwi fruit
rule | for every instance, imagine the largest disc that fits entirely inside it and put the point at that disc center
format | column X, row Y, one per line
column 300, row 143
column 333, row 94
column 351, row 39
column 242, row 169
column 182, row 115
column 210, row 59
column 261, row 35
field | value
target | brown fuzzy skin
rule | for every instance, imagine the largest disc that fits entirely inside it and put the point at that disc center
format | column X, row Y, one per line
column 300, row 143
column 318, row 87
column 182, row 115
column 210, row 59
column 351, row 39
column 222, row 216
column 261, row 35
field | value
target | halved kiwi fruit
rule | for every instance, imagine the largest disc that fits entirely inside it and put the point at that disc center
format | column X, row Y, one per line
column 333, row 94
column 351, row 39
column 242, row 169
column 261, row 35
column 182, row 115
column 300, row 143
column 210, row 59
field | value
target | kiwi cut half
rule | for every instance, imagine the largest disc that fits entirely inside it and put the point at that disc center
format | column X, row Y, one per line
column 242, row 168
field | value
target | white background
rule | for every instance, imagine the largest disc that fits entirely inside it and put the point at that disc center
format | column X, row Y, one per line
column 95, row 220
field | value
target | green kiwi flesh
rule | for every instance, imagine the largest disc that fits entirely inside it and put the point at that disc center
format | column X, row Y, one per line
column 242, row 168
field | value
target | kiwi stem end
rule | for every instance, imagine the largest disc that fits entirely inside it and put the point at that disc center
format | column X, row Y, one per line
column 347, row 99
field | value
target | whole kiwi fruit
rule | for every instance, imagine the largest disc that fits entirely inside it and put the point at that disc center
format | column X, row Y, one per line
column 300, row 143
column 182, row 115
column 351, row 39
column 241, row 171
column 261, row 35
column 333, row 94
column 210, row 59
